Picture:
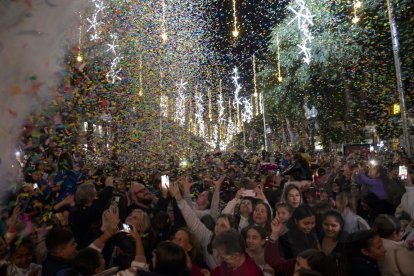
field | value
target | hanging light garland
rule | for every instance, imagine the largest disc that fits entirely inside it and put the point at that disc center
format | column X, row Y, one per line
column 210, row 114
column 113, row 74
column 220, row 101
column 305, row 21
column 237, row 99
column 164, row 105
column 79, row 57
column 199, row 115
column 140, row 88
column 357, row 5
column 95, row 20
column 235, row 31
column 180, row 103
column 256, row 96
column 279, row 74
column 164, row 35
column 247, row 113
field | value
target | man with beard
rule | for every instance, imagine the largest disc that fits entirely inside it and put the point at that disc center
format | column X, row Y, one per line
column 139, row 197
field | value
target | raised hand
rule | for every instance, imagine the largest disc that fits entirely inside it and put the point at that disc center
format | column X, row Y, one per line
column 276, row 226
column 217, row 183
column 259, row 193
column 163, row 190
column 239, row 193
column 186, row 183
column 175, row 191
column 110, row 220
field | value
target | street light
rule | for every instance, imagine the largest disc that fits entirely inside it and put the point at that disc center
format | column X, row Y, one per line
column 311, row 115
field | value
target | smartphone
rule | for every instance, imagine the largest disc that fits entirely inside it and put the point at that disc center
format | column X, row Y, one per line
column 277, row 172
column 402, row 172
column 115, row 200
column 165, row 180
column 35, row 186
column 249, row 193
column 126, row 228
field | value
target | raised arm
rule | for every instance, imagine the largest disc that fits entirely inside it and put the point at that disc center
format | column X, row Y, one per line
column 193, row 222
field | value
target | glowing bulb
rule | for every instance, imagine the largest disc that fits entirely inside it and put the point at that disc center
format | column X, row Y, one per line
column 79, row 58
column 164, row 37
column 17, row 153
column 358, row 4
column 355, row 20
column 279, row 79
column 140, row 92
column 235, row 33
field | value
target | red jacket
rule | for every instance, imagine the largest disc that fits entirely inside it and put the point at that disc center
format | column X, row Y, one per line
column 281, row 266
column 248, row 268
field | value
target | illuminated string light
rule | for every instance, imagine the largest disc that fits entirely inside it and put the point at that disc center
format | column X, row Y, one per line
column 215, row 138
column 180, row 103
column 221, row 107
column 235, row 31
column 199, row 115
column 210, row 114
column 256, row 96
column 164, row 105
column 247, row 113
column 141, row 90
column 279, row 74
column 305, row 20
column 164, row 35
column 357, row 5
column 237, row 99
column 261, row 104
column 112, row 75
column 79, row 57
column 95, row 21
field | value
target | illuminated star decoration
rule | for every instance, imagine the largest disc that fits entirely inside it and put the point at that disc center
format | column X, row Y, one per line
column 305, row 20
column 95, row 21
column 112, row 75
column 247, row 113
column 237, row 100
column 199, row 113
column 180, row 102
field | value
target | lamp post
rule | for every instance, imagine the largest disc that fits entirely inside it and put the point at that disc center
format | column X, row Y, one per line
column 311, row 115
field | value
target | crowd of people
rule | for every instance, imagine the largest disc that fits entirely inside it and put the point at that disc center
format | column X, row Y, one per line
column 220, row 214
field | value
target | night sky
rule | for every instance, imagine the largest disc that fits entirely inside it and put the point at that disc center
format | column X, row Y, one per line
column 255, row 22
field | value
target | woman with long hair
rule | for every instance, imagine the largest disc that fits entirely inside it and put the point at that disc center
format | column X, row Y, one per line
column 292, row 196
column 301, row 234
column 255, row 247
column 204, row 236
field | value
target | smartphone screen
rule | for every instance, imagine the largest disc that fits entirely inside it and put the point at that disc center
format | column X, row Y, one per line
column 249, row 193
column 115, row 200
column 126, row 227
column 165, row 180
column 402, row 172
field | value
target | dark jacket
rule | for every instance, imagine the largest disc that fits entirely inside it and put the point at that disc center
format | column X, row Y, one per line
column 52, row 265
column 81, row 219
column 295, row 241
column 363, row 266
